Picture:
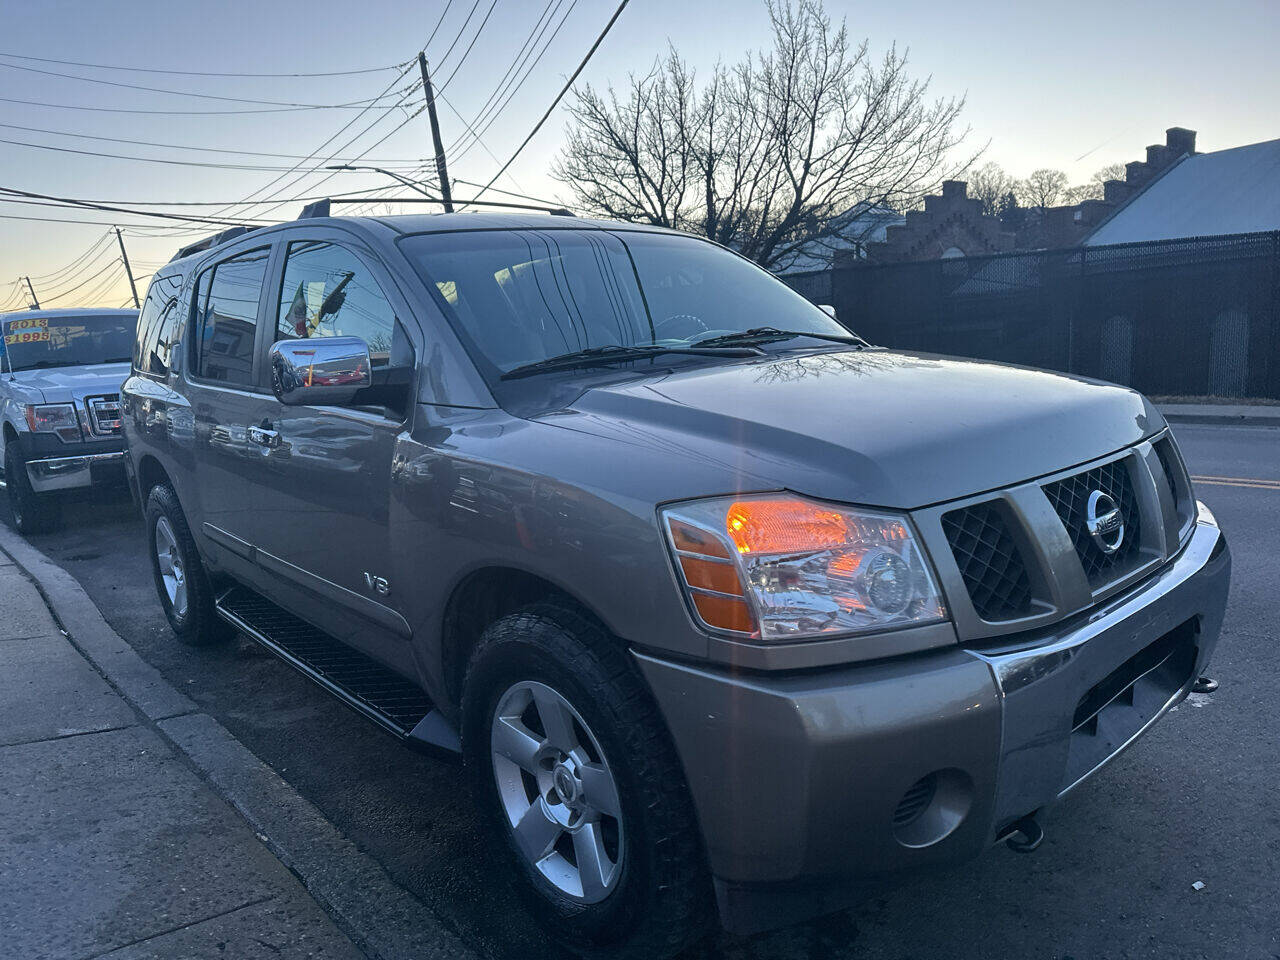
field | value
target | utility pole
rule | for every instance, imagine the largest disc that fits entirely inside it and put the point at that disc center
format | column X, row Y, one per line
column 128, row 270
column 445, row 193
column 35, row 304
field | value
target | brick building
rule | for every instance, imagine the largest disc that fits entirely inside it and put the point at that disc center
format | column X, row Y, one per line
column 952, row 224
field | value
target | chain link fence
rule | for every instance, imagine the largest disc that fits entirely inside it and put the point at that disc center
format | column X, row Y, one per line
column 1188, row 318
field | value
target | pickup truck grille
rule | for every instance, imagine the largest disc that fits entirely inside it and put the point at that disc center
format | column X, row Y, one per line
column 1070, row 498
column 989, row 560
column 1024, row 557
column 104, row 414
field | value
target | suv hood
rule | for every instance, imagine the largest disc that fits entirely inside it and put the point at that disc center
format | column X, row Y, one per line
column 73, row 384
column 874, row 427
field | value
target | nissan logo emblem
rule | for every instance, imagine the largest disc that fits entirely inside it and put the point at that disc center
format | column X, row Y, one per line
column 1104, row 521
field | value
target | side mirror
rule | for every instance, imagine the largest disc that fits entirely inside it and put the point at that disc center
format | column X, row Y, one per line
column 829, row 310
column 324, row 370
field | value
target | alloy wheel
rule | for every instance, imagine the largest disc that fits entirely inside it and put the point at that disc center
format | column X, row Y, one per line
column 172, row 572
column 557, row 792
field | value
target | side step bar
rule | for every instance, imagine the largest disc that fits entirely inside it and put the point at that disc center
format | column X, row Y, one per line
column 397, row 705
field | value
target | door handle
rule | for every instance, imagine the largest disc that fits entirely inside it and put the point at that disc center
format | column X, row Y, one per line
column 264, row 437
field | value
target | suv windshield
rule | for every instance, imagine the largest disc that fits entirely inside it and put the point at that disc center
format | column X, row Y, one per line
column 67, row 341
column 522, row 296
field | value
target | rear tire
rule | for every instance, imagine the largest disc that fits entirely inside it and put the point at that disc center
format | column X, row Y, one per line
column 186, row 595
column 30, row 512
column 655, row 897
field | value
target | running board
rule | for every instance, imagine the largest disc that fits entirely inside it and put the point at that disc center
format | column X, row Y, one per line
column 376, row 692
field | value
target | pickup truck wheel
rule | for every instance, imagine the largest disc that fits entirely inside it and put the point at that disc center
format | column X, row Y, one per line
column 572, row 763
column 181, row 582
column 31, row 512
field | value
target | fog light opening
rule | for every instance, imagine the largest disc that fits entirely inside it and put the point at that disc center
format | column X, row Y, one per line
column 932, row 808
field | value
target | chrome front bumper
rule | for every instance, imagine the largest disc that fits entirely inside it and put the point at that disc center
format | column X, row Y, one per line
column 69, row 473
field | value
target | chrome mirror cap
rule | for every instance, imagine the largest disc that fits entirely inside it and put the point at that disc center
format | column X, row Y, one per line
column 322, row 370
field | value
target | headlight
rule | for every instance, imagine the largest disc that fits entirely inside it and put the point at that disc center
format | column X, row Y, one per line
column 59, row 418
column 779, row 567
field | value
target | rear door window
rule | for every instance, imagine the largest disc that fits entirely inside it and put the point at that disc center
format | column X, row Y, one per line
column 226, row 321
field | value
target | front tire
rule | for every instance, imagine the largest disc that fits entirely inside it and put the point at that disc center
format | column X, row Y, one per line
column 181, row 581
column 31, row 512
column 573, row 767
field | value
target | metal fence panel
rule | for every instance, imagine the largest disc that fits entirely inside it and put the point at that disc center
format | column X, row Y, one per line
column 1198, row 317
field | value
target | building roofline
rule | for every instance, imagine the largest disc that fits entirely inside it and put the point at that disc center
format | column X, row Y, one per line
column 1123, row 205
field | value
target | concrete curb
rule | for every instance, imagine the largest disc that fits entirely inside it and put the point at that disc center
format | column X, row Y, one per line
column 377, row 914
column 1226, row 415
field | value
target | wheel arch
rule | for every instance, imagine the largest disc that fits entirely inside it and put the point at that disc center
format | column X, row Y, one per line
column 483, row 596
column 151, row 473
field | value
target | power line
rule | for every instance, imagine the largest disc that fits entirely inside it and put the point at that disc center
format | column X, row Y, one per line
column 175, row 93
column 521, row 196
column 461, row 31
column 346, row 126
column 80, row 286
column 218, row 203
column 197, row 73
column 190, row 113
column 181, row 146
column 554, row 103
column 334, row 173
column 443, row 13
column 517, row 62
column 91, row 297
column 328, row 160
column 403, row 72
column 512, row 86
column 466, row 53
column 127, row 156
column 483, row 145
column 57, row 286
column 76, row 262
column 114, row 209
column 80, row 221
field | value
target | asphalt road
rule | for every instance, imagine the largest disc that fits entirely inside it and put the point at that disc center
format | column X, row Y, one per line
column 1195, row 800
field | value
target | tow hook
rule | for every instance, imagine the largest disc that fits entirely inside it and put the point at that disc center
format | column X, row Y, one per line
column 1204, row 685
column 1026, row 835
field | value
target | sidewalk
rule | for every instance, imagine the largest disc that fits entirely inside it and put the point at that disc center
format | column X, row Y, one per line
column 1242, row 414
column 112, row 845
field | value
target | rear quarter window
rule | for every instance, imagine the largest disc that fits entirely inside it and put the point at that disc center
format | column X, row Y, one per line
column 157, row 327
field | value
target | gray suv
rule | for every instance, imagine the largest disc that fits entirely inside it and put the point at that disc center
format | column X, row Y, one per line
column 726, row 610
column 60, row 376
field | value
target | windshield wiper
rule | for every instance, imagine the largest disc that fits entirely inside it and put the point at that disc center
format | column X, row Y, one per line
column 615, row 353
column 773, row 334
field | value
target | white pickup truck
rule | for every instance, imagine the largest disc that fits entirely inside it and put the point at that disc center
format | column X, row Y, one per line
column 60, row 376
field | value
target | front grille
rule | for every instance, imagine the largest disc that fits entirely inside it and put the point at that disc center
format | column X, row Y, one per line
column 104, row 414
column 1070, row 498
column 1175, row 475
column 989, row 560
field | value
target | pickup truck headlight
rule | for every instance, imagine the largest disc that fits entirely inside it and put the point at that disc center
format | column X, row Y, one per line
column 58, row 418
column 781, row 567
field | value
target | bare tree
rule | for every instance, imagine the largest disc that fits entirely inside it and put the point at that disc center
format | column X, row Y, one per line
column 1044, row 188
column 770, row 153
column 1095, row 189
column 990, row 184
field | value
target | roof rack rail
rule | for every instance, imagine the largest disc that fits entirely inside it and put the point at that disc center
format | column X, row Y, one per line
column 209, row 242
column 554, row 211
column 317, row 208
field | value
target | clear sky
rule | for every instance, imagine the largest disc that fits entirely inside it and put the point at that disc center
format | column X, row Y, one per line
column 1074, row 86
